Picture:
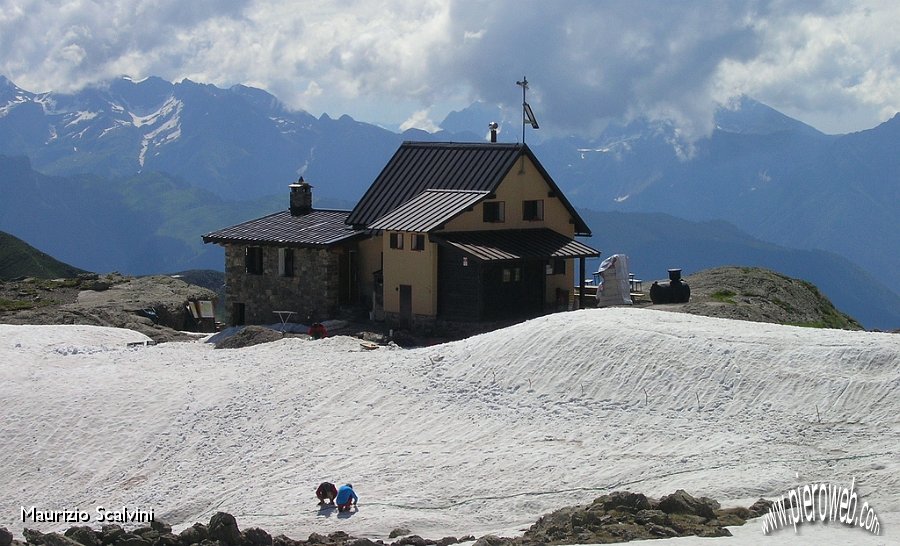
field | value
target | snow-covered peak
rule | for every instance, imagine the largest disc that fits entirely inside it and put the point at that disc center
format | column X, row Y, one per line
column 11, row 95
column 744, row 115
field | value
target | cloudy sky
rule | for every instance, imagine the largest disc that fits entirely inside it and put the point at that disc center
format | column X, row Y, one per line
column 834, row 65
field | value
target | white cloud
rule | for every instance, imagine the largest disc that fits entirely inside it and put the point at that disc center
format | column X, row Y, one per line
column 831, row 64
column 420, row 120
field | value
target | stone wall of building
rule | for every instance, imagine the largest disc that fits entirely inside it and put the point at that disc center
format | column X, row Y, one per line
column 312, row 292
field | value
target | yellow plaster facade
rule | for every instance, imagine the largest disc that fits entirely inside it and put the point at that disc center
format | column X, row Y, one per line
column 416, row 268
column 419, row 268
column 369, row 262
column 522, row 183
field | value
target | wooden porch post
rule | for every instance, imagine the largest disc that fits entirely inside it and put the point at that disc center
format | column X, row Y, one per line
column 581, row 266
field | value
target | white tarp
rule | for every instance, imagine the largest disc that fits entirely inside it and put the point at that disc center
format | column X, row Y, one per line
column 613, row 287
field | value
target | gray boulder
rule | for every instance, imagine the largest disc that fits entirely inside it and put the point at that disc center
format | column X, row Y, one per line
column 49, row 539
column 282, row 540
column 681, row 502
column 759, row 508
column 84, row 535
column 224, row 528
column 111, row 533
column 255, row 536
column 160, row 527
column 623, row 501
column 131, row 539
column 414, row 540
column 194, row 534
column 492, row 540
column 657, row 517
column 399, row 532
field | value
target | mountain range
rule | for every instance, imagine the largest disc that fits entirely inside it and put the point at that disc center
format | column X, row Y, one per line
column 127, row 175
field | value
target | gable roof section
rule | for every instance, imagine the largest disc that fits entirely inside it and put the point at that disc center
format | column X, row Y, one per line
column 515, row 244
column 419, row 166
column 319, row 228
column 429, row 210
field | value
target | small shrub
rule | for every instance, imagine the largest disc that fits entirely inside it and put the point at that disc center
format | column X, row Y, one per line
column 15, row 305
column 725, row 296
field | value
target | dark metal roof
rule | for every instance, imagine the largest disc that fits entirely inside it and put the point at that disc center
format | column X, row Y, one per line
column 419, row 166
column 514, row 244
column 317, row 228
column 429, row 210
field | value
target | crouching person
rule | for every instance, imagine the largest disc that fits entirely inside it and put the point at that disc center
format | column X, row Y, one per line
column 326, row 491
column 346, row 498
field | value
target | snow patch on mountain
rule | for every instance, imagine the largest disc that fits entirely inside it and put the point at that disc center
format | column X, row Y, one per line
column 117, row 124
column 168, row 131
column 47, row 102
column 171, row 107
column 80, row 116
column 286, row 126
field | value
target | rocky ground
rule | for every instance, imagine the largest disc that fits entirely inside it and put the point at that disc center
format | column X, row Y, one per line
column 758, row 295
column 620, row 516
column 154, row 306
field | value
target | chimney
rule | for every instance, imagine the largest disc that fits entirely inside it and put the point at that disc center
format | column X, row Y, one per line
column 301, row 198
column 493, row 127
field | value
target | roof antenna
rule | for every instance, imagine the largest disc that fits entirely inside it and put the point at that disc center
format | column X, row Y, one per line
column 527, row 115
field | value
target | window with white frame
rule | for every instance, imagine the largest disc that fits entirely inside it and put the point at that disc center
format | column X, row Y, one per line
column 286, row 262
column 533, row 210
column 494, row 211
column 396, row 240
column 253, row 260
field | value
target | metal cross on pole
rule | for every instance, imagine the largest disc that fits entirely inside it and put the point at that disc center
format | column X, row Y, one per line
column 527, row 115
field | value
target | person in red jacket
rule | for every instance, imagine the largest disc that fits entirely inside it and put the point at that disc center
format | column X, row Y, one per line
column 326, row 491
column 317, row 331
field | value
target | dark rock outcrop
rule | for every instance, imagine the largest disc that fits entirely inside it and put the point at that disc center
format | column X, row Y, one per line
column 250, row 335
column 84, row 535
column 623, row 516
column 680, row 502
column 224, row 528
column 6, row 537
column 255, row 536
column 195, row 534
column 111, row 533
column 619, row 516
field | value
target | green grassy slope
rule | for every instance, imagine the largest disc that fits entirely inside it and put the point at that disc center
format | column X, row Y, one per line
column 19, row 259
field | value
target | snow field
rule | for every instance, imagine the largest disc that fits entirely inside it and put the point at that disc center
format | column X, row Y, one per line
column 478, row 436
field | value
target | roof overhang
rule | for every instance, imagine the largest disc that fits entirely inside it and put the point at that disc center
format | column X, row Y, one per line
column 429, row 210
column 518, row 244
column 317, row 229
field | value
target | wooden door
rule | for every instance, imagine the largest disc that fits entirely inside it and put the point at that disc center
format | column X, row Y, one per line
column 405, row 306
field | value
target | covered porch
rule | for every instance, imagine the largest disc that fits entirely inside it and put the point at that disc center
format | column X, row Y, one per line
column 503, row 274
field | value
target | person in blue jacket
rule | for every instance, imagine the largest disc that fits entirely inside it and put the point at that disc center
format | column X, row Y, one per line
column 346, row 497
